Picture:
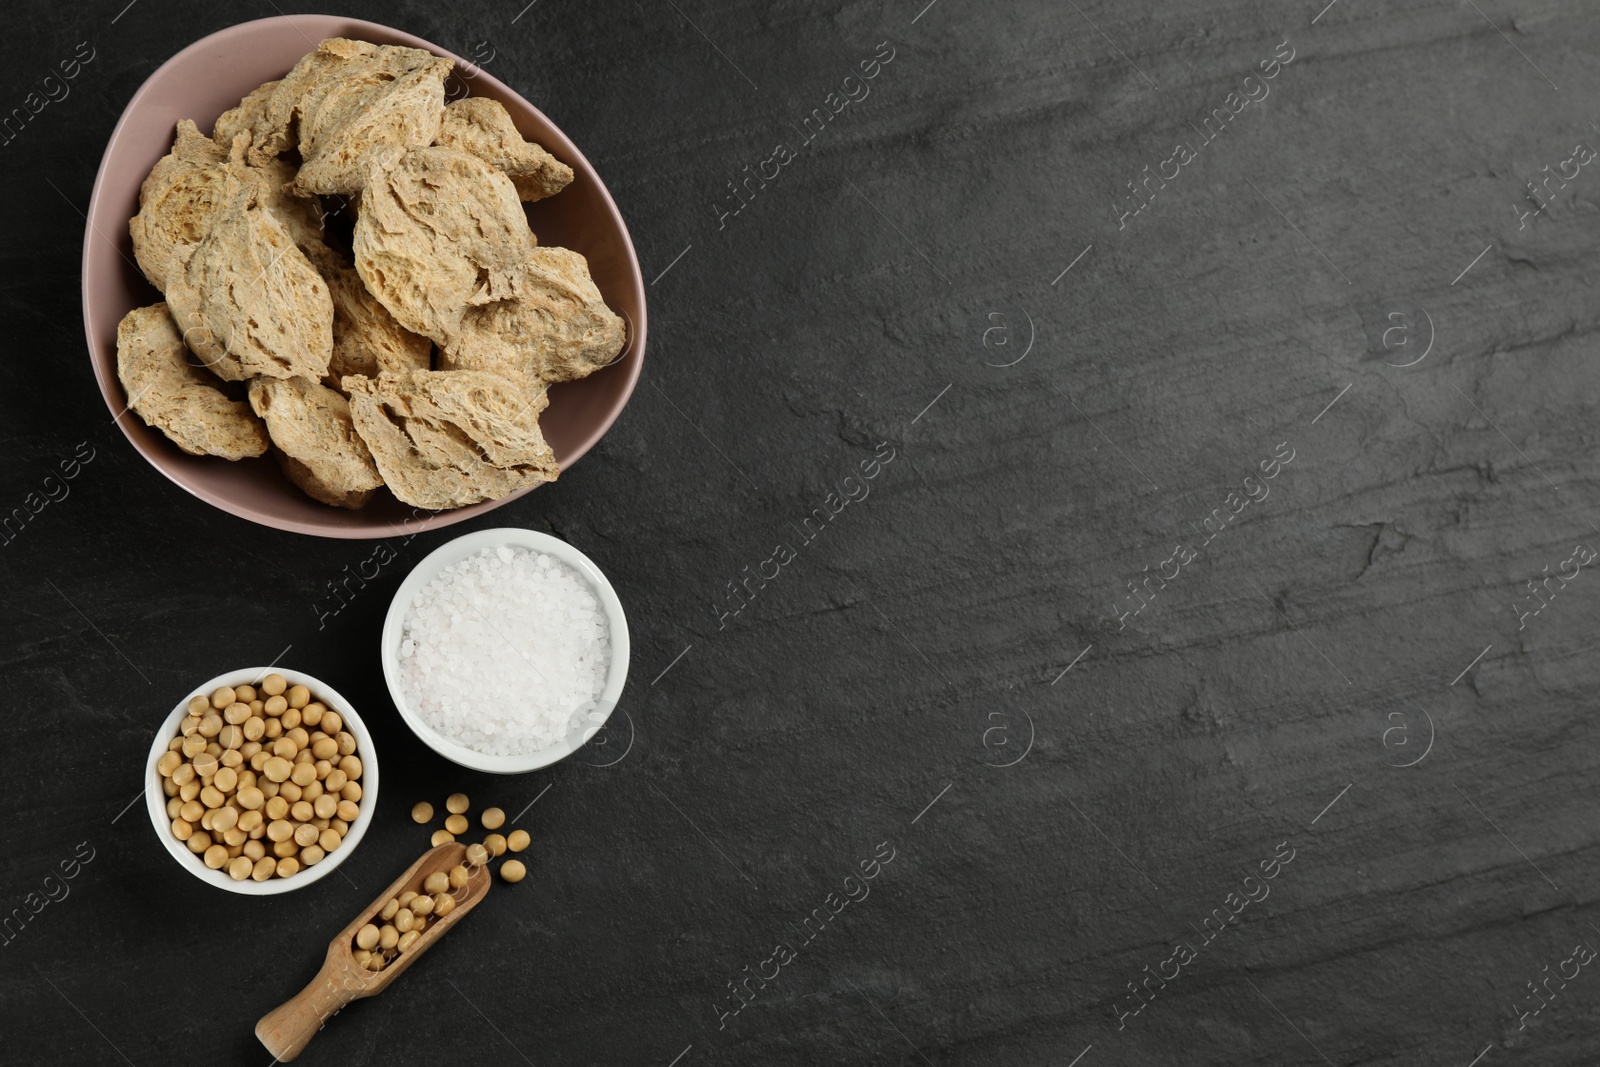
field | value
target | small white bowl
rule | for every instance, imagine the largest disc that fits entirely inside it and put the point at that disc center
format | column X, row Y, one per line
column 454, row 552
column 156, row 799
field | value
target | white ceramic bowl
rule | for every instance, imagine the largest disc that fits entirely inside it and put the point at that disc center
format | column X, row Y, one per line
column 156, row 800
column 455, row 551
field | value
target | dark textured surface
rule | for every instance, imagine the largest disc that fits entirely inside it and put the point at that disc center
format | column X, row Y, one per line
column 911, row 651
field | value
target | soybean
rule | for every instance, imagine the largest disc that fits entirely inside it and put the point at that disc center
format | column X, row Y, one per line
column 259, row 812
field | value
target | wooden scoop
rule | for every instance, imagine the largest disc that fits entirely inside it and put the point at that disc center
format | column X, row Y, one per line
column 286, row 1030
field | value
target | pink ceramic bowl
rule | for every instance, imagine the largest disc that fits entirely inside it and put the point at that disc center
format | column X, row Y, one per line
column 206, row 79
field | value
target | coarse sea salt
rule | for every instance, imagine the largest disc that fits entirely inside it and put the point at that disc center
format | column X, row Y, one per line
column 506, row 652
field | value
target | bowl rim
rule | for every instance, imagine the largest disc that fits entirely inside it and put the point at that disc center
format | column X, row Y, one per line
column 156, row 799
column 452, row 551
column 315, row 28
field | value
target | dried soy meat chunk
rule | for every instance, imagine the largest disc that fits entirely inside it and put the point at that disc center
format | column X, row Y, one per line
column 344, row 101
column 244, row 118
column 443, row 439
column 177, row 398
column 249, row 302
column 483, row 127
column 181, row 200
column 317, row 442
column 440, row 231
column 366, row 338
column 558, row 328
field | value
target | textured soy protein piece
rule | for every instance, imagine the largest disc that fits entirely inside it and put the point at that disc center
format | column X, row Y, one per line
column 557, row 328
column 319, row 448
column 249, row 302
column 439, row 231
column 366, row 338
column 442, row 439
column 185, row 193
column 177, row 398
column 345, row 101
column 484, row 128
column 244, row 118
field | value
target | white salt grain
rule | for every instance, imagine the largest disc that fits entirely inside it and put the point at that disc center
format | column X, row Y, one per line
column 506, row 652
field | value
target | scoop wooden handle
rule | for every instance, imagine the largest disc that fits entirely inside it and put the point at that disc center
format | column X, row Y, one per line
column 287, row 1029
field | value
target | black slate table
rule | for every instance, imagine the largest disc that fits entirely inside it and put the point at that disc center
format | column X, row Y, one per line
column 1204, row 674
